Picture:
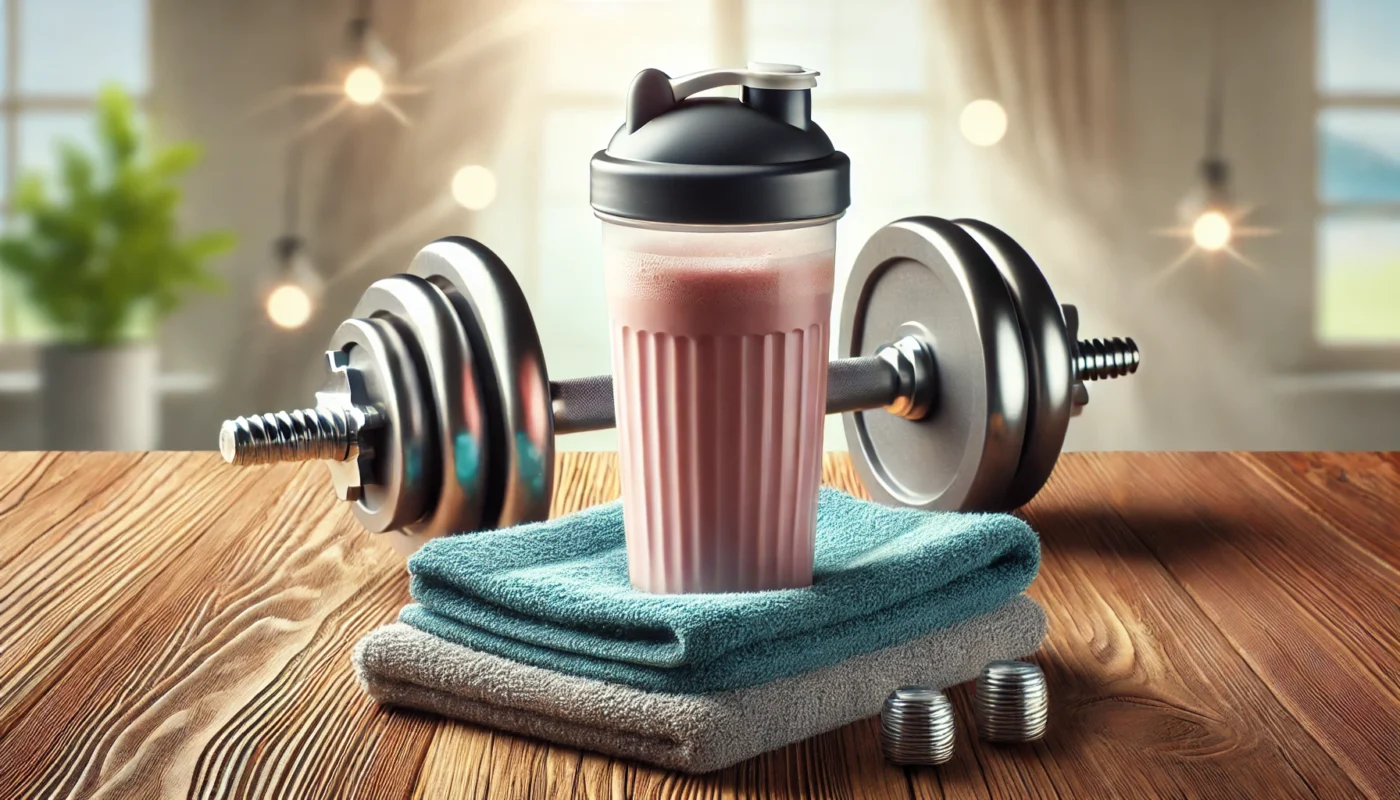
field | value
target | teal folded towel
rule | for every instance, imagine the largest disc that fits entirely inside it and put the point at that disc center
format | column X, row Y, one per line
column 556, row 595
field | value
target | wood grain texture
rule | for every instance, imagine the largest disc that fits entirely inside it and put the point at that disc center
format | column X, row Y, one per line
column 1311, row 609
column 1221, row 625
column 1357, row 492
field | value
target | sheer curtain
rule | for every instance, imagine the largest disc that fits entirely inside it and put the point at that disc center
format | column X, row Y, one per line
column 1053, row 65
column 1054, row 183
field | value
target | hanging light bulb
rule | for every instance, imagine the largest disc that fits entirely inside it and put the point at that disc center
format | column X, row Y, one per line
column 364, row 86
column 1210, row 220
column 1211, row 231
column 1207, row 210
column 292, row 299
column 1208, row 216
column 288, row 306
column 364, row 73
column 368, row 64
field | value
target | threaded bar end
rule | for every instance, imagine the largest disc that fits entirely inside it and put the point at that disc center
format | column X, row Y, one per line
column 303, row 435
column 1102, row 359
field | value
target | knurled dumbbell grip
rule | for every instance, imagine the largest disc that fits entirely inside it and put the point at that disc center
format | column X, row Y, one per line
column 853, row 384
column 857, row 384
column 583, row 404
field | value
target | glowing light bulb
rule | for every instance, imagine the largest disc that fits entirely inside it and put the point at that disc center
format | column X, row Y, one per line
column 1212, row 231
column 364, row 85
column 983, row 122
column 289, row 306
column 474, row 187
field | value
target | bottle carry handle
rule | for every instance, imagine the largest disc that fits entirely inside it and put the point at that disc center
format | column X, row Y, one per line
column 653, row 92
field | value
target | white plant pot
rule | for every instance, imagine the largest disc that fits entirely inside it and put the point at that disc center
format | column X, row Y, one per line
column 100, row 398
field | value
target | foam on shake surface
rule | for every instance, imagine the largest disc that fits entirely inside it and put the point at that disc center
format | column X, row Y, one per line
column 719, row 283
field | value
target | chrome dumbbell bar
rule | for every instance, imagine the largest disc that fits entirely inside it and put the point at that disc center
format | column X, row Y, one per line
column 438, row 416
column 900, row 378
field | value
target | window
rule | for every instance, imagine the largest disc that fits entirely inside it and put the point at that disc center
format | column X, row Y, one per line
column 54, row 57
column 876, row 99
column 1358, row 187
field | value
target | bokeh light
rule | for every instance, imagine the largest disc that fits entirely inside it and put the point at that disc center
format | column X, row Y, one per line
column 474, row 187
column 983, row 122
column 289, row 306
column 1211, row 231
column 364, row 85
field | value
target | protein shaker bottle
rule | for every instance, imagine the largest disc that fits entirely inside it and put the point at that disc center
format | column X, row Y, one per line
column 719, row 234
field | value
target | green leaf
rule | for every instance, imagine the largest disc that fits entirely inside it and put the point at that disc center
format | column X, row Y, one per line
column 77, row 170
column 98, row 249
column 175, row 160
column 210, row 244
column 116, row 124
column 31, row 194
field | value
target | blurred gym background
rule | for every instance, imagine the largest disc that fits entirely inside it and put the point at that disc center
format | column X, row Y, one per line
column 1219, row 179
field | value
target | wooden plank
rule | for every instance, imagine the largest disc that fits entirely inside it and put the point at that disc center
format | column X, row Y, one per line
column 44, row 489
column 1359, row 493
column 1148, row 699
column 1311, row 611
column 310, row 732
column 88, row 537
column 227, row 669
column 20, row 473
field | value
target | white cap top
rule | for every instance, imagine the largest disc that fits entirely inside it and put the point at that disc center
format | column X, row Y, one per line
column 759, row 75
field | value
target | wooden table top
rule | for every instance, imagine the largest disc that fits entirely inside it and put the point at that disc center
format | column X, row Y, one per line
column 1221, row 625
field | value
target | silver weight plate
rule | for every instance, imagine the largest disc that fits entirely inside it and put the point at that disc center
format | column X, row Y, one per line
column 453, row 394
column 927, row 277
column 404, row 471
column 1048, row 359
column 510, row 367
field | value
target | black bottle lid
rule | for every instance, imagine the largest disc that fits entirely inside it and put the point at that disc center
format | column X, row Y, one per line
column 720, row 161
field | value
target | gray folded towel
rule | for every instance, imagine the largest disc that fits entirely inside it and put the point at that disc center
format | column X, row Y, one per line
column 404, row 666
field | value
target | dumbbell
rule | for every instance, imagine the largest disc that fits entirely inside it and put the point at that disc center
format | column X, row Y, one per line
column 959, row 374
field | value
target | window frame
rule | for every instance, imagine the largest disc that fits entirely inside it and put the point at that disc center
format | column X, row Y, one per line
column 1338, row 355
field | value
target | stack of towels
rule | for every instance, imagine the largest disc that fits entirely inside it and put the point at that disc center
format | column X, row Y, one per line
column 536, row 630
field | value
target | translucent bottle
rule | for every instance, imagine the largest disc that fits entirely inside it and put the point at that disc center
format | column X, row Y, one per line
column 719, row 236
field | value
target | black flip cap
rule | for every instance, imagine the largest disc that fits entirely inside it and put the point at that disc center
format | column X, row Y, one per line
column 719, row 161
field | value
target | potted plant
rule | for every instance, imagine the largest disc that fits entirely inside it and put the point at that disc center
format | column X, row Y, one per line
column 97, row 252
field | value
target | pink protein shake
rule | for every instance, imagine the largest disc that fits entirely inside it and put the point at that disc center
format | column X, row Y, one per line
column 719, row 350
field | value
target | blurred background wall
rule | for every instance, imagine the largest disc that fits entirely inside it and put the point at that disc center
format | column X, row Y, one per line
column 1286, row 340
